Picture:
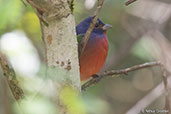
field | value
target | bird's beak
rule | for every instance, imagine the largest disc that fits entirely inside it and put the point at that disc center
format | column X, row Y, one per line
column 106, row 26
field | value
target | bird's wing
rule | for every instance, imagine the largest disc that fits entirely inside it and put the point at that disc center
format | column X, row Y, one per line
column 79, row 39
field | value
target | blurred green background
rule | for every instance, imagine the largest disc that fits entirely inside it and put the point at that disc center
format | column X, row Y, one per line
column 20, row 40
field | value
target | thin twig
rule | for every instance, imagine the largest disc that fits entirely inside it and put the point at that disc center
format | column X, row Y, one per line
column 165, row 82
column 24, row 3
column 10, row 75
column 129, row 2
column 39, row 11
column 91, row 27
column 118, row 72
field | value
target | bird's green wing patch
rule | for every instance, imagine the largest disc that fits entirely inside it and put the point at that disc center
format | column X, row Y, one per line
column 80, row 37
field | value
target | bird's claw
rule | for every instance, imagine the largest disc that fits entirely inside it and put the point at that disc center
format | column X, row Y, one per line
column 96, row 78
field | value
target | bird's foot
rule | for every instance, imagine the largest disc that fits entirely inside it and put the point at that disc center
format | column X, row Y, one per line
column 96, row 78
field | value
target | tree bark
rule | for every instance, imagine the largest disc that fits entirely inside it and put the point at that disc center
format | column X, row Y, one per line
column 61, row 47
column 59, row 36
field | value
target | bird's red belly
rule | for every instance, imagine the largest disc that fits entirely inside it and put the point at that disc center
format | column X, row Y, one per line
column 93, row 59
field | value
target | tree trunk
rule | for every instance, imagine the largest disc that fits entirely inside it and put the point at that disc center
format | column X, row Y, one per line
column 59, row 36
column 61, row 47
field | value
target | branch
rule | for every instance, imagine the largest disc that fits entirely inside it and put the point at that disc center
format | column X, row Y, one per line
column 165, row 82
column 129, row 2
column 24, row 3
column 118, row 72
column 91, row 27
column 10, row 75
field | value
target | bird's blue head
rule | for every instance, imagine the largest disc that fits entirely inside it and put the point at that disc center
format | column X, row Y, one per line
column 99, row 28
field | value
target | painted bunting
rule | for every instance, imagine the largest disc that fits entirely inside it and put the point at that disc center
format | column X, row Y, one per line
column 94, row 55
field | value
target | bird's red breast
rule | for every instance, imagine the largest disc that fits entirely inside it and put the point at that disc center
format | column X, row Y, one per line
column 93, row 57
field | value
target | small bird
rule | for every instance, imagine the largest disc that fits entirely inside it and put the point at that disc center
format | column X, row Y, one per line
column 94, row 55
